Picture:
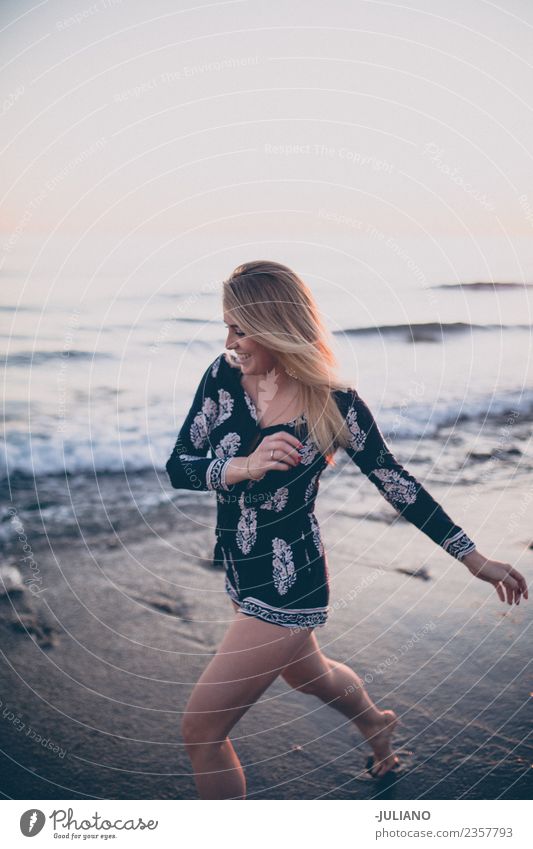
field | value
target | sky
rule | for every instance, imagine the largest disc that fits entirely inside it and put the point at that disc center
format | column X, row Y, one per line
column 241, row 122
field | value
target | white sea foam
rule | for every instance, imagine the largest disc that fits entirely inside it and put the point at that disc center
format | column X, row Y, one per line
column 101, row 448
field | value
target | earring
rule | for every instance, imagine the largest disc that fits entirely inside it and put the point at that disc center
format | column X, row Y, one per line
column 291, row 373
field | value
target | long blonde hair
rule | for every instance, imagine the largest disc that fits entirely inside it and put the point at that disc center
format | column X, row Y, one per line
column 273, row 305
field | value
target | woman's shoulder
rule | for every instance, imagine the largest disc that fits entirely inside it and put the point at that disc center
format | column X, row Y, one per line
column 221, row 369
column 345, row 396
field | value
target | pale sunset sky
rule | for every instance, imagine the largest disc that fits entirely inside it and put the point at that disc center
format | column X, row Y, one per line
column 247, row 121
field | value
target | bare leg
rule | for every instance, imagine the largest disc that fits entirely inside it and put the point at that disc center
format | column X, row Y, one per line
column 339, row 686
column 251, row 656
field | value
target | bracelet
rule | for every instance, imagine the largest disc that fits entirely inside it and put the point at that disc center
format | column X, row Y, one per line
column 247, row 469
column 223, row 483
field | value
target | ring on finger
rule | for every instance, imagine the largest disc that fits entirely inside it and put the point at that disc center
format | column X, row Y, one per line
column 272, row 453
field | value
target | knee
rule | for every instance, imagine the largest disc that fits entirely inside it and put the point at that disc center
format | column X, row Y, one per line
column 198, row 732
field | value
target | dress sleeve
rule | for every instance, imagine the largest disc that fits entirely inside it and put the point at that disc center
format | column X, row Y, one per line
column 191, row 464
column 403, row 491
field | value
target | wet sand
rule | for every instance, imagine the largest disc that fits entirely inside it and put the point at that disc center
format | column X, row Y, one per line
column 99, row 660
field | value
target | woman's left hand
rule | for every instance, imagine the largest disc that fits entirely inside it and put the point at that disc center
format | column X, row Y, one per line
column 502, row 576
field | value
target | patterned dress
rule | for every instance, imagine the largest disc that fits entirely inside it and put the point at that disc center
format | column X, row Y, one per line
column 267, row 535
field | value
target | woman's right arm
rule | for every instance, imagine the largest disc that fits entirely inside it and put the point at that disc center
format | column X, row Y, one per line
column 189, row 466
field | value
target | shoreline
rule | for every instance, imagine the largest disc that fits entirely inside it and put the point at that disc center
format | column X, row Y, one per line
column 102, row 662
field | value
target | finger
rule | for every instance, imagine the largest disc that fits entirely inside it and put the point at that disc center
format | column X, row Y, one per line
column 291, row 441
column 521, row 581
column 499, row 590
column 276, row 462
column 516, row 585
column 508, row 591
column 281, row 455
column 286, row 451
column 290, row 437
column 510, row 580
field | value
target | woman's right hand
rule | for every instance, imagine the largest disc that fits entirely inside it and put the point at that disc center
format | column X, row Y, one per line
column 285, row 448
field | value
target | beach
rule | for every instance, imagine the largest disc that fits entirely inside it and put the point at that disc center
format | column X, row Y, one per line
column 382, row 154
column 112, row 621
column 111, row 605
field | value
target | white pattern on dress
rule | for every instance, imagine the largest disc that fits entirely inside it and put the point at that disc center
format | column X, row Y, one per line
column 216, row 365
column 228, row 445
column 203, row 423
column 283, row 573
column 247, row 527
column 316, row 533
column 308, row 452
column 311, row 617
column 398, row 490
column 358, row 436
column 230, row 589
column 250, row 404
column 235, row 574
column 459, row 545
column 225, row 402
column 278, row 500
column 310, row 488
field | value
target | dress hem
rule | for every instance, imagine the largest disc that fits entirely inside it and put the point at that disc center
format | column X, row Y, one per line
column 305, row 617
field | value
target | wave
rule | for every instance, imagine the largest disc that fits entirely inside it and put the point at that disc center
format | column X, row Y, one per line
column 185, row 319
column 109, row 452
column 483, row 285
column 17, row 309
column 427, row 331
column 37, row 358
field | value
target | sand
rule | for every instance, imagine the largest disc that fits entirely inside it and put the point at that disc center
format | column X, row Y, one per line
column 99, row 657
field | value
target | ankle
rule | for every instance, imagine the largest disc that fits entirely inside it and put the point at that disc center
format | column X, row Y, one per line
column 369, row 719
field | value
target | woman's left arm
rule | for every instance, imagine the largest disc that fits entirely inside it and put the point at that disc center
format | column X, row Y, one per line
column 369, row 450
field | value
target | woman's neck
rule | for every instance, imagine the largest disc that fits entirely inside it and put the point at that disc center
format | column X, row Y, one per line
column 271, row 399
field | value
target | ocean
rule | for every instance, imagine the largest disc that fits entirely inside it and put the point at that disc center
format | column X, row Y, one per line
column 101, row 370
column 109, row 570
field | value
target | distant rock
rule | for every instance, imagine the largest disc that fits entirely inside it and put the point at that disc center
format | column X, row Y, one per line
column 10, row 581
column 164, row 603
column 41, row 632
column 20, row 614
column 416, row 573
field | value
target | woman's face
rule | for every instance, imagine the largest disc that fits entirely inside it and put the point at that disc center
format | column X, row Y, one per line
column 254, row 358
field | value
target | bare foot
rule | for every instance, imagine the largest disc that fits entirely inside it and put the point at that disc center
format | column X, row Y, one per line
column 379, row 735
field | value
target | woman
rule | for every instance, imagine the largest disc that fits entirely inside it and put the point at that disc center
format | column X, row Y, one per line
column 273, row 413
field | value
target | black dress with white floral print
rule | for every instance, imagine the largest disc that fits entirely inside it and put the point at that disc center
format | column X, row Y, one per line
column 268, row 536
